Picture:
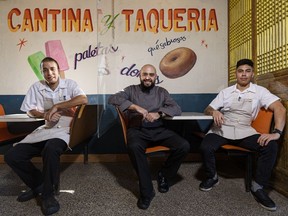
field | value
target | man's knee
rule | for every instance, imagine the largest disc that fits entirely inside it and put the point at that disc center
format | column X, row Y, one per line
column 272, row 147
column 135, row 146
column 206, row 147
column 54, row 146
column 207, row 143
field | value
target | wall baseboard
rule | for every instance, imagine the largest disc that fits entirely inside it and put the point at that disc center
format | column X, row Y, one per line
column 100, row 158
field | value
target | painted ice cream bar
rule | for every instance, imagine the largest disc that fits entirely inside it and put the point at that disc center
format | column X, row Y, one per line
column 34, row 61
column 55, row 50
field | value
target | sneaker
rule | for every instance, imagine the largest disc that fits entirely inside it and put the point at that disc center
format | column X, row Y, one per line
column 144, row 202
column 163, row 185
column 207, row 184
column 263, row 199
column 50, row 205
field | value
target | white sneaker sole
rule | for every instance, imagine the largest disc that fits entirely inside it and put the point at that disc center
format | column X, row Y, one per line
column 208, row 189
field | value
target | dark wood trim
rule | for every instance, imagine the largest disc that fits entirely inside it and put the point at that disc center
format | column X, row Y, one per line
column 99, row 158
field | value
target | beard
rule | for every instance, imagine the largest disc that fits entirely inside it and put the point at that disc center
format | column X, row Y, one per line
column 146, row 88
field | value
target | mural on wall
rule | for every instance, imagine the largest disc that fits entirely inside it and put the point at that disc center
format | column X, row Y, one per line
column 102, row 44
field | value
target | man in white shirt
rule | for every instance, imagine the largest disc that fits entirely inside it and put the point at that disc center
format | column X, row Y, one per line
column 233, row 110
column 54, row 100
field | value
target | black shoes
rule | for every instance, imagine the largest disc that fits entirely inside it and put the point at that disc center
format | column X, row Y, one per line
column 163, row 185
column 207, row 184
column 144, row 202
column 30, row 194
column 263, row 199
column 50, row 205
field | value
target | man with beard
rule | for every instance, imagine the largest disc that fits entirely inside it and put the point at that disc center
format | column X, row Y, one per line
column 146, row 105
column 233, row 110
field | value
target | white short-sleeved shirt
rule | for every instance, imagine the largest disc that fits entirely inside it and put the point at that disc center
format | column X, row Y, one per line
column 41, row 98
column 260, row 96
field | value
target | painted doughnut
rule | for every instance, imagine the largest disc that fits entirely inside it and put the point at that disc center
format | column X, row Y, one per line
column 177, row 62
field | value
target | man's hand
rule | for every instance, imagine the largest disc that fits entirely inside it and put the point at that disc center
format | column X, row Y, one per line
column 218, row 118
column 151, row 117
column 139, row 109
column 53, row 119
column 53, row 114
column 264, row 139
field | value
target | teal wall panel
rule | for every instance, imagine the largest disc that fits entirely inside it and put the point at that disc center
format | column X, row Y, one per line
column 109, row 139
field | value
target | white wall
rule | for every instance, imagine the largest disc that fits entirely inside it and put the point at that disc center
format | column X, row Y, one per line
column 101, row 74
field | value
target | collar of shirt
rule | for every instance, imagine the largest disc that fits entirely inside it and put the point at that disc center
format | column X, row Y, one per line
column 252, row 88
column 44, row 85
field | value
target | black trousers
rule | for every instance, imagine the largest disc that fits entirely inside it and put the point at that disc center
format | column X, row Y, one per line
column 138, row 141
column 19, row 159
column 266, row 155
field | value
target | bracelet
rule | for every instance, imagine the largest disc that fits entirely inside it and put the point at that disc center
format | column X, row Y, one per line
column 277, row 131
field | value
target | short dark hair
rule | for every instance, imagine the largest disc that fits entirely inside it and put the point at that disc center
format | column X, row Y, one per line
column 245, row 62
column 49, row 59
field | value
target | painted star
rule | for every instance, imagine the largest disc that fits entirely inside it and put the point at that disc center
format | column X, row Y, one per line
column 203, row 42
column 21, row 43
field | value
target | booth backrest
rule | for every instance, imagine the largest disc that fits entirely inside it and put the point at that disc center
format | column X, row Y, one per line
column 85, row 123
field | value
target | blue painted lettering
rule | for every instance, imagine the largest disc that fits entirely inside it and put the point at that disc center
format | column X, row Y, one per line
column 130, row 71
column 98, row 50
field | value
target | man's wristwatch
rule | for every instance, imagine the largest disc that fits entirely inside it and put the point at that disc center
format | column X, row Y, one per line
column 161, row 114
column 277, row 131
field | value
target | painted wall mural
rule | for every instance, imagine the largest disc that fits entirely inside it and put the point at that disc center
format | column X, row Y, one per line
column 102, row 44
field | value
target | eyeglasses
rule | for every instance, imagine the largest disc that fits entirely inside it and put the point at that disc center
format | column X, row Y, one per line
column 148, row 74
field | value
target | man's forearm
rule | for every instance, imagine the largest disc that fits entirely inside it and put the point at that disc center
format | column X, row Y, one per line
column 209, row 111
column 133, row 107
column 78, row 100
column 35, row 113
column 279, row 118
